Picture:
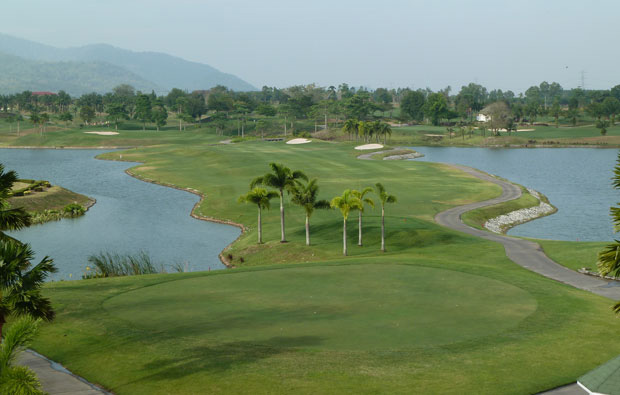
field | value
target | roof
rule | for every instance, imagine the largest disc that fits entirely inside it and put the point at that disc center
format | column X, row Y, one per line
column 603, row 380
column 43, row 94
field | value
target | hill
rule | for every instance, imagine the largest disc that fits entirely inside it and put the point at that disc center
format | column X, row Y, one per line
column 158, row 70
column 19, row 74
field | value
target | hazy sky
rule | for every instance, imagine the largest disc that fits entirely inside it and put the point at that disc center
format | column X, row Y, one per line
column 500, row 44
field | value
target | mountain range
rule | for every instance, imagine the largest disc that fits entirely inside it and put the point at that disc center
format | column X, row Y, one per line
column 28, row 65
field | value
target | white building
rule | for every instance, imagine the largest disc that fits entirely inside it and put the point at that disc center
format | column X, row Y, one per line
column 482, row 118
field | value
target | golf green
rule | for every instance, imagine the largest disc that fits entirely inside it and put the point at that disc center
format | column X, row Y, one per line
column 350, row 307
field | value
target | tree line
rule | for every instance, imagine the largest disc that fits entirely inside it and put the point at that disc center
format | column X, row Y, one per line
column 304, row 193
column 323, row 105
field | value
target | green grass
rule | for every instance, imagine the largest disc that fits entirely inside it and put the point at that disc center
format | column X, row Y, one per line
column 574, row 255
column 441, row 312
column 54, row 198
column 440, row 325
column 478, row 217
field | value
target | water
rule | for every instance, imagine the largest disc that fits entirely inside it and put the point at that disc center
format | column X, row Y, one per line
column 576, row 180
column 130, row 215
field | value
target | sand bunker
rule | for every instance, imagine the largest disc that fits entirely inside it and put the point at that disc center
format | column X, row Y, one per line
column 298, row 141
column 368, row 146
column 103, row 133
column 434, row 135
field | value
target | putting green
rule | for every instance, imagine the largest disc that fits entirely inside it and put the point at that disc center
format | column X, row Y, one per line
column 357, row 307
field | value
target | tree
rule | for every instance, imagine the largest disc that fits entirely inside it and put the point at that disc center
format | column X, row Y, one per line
column 160, row 116
column 144, row 109
column 266, row 110
column 384, row 198
column 43, row 120
column 18, row 379
column 347, row 202
column 361, row 195
column 436, row 107
column 611, row 107
column 21, row 288
column 66, row 117
column 281, row 178
column 555, row 112
column 499, row 115
column 412, row 104
column 10, row 218
column 306, row 196
column 260, row 197
column 384, row 129
column 602, row 125
column 609, row 258
column 87, row 113
column 350, row 127
column 116, row 113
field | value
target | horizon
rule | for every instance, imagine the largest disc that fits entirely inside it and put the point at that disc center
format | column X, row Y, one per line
column 355, row 43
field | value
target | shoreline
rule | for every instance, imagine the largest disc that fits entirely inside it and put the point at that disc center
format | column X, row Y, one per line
column 504, row 222
column 192, row 213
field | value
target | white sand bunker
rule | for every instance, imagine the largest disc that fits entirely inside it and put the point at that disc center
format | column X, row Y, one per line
column 368, row 146
column 298, row 141
column 103, row 133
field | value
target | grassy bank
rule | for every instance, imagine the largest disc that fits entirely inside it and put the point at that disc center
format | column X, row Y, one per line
column 574, row 255
column 53, row 198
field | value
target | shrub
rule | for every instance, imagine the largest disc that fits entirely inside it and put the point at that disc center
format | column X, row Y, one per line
column 74, row 210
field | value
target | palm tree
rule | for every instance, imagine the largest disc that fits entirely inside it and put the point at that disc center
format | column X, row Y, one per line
column 350, row 127
column 10, row 218
column 384, row 198
column 347, row 202
column 281, row 178
column 260, row 197
column 385, row 129
column 361, row 196
column 306, row 197
column 18, row 379
column 609, row 258
column 20, row 287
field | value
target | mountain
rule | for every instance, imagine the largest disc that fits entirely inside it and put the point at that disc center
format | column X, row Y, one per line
column 163, row 71
column 76, row 78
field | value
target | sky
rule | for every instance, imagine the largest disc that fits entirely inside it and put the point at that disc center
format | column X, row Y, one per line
column 390, row 43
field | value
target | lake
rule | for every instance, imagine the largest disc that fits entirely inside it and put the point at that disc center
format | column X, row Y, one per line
column 130, row 215
column 576, row 180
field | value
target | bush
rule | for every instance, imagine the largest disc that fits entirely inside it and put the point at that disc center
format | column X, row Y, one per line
column 74, row 210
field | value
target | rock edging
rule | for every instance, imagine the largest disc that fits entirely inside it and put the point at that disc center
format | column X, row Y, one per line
column 506, row 221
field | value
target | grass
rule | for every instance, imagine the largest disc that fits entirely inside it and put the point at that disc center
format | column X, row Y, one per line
column 54, row 198
column 478, row 324
column 574, row 255
column 393, row 153
column 441, row 312
column 477, row 218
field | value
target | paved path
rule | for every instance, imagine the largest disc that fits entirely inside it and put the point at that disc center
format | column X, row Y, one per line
column 55, row 379
column 525, row 253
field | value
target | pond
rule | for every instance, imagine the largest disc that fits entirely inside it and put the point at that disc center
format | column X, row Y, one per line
column 576, row 180
column 130, row 215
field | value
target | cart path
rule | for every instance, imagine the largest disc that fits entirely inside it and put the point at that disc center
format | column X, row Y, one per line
column 525, row 253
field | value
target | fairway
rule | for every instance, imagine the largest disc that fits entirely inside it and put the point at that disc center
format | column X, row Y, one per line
column 352, row 307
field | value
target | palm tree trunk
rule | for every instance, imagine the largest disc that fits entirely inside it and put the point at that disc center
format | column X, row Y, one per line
column 382, row 229
column 283, row 238
column 344, row 238
column 260, row 227
column 359, row 220
column 307, row 230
